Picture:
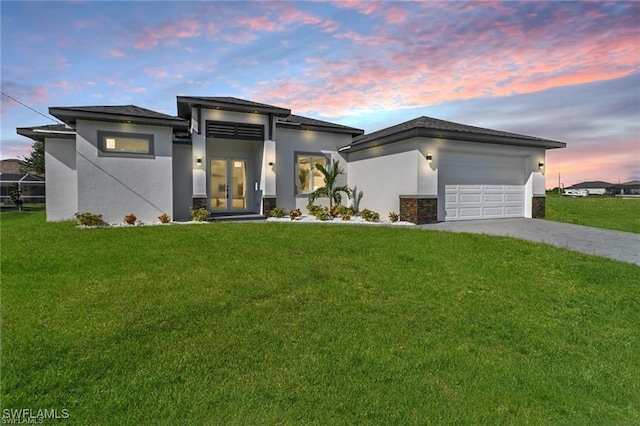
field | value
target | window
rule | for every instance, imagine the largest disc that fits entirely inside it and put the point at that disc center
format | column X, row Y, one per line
column 308, row 177
column 125, row 143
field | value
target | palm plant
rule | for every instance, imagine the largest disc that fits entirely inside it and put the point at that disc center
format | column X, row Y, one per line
column 330, row 189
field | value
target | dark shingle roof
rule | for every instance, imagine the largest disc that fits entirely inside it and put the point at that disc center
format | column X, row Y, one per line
column 228, row 103
column 593, row 184
column 118, row 113
column 433, row 127
column 314, row 124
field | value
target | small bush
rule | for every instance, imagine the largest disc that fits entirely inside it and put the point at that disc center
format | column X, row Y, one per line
column 346, row 217
column 130, row 219
column 277, row 212
column 164, row 218
column 393, row 217
column 200, row 214
column 323, row 215
column 313, row 209
column 348, row 211
column 370, row 215
column 89, row 219
column 294, row 214
column 334, row 211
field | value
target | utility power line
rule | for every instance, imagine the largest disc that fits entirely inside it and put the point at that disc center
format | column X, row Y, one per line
column 32, row 109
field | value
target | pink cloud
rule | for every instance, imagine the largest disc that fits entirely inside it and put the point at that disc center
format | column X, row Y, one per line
column 168, row 31
column 117, row 53
column 361, row 6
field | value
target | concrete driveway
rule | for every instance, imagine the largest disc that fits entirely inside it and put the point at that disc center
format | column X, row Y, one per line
column 617, row 245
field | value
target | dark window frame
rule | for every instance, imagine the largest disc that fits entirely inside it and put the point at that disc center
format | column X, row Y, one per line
column 103, row 151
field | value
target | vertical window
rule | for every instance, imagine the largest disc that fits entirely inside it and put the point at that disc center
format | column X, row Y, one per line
column 125, row 143
column 308, row 177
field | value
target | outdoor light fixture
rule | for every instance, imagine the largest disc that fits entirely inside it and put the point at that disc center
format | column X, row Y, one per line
column 429, row 157
column 199, row 161
column 541, row 165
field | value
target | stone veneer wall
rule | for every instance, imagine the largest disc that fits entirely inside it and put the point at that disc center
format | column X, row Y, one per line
column 268, row 203
column 419, row 209
column 197, row 202
column 538, row 206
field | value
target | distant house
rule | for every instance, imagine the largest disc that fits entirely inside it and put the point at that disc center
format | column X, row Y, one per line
column 597, row 187
column 32, row 186
column 239, row 157
column 628, row 188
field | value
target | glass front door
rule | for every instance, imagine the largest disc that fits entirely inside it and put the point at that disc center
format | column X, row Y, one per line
column 228, row 184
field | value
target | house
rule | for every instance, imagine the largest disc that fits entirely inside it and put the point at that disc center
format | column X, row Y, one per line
column 236, row 156
column 593, row 188
column 627, row 188
column 31, row 185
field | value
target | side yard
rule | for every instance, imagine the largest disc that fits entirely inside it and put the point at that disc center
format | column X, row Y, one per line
column 621, row 214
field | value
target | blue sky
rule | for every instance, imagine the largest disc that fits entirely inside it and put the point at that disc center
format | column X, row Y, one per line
column 566, row 71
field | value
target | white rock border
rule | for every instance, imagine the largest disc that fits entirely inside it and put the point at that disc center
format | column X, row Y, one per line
column 355, row 220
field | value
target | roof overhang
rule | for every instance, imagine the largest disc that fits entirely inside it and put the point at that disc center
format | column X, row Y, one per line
column 39, row 133
column 185, row 103
column 319, row 128
column 71, row 115
column 450, row 135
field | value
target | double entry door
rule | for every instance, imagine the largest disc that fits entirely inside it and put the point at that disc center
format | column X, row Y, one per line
column 228, row 184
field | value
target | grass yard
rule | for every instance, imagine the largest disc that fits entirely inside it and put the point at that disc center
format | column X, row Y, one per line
column 621, row 214
column 265, row 323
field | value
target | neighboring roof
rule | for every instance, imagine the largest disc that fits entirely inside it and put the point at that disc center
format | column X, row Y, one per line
column 116, row 113
column 227, row 103
column 307, row 123
column 39, row 133
column 20, row 177
column 435, row 128
column 630, row 184
column 11, row 165
column 593, row 184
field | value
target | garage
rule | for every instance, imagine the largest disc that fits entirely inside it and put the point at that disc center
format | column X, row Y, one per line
column 482, row 187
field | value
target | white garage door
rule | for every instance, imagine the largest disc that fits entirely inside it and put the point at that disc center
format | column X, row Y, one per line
column 482, row 187
column 465, row 202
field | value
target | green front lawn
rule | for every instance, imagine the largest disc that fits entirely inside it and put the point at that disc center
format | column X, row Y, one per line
column 269, row 323
column 621, row 214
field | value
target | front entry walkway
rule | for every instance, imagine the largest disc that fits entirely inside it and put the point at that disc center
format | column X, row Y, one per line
column 617, row 245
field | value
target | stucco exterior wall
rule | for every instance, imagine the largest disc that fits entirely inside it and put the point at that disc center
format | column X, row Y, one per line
column 61, row 179
column 383, row 179
column 115, row 186
column 292, row 141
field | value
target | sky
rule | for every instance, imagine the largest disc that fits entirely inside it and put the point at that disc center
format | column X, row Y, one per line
column 561, row 70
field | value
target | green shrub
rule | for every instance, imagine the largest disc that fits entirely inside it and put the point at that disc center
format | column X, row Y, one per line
column 89, row 219
column 346, row 211
column 294, row 213
column 346, row 217
column 323, row 215
column 393, row 217
column 164, row 218
column 370, row 215
column 312, row 209
column 334, row 211
column 130, row 219
column 277, row 212
column 200, row 214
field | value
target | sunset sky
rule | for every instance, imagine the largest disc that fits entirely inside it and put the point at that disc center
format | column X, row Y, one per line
column 566, row 71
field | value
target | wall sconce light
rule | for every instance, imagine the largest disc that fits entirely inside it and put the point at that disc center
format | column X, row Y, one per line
column 429, row 157
column 199, row 161
column 541, row 165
